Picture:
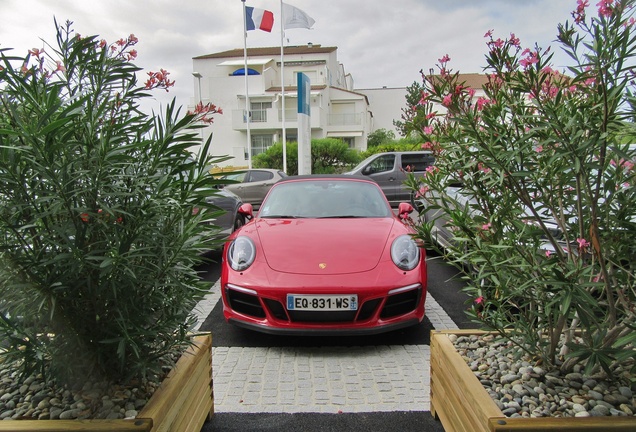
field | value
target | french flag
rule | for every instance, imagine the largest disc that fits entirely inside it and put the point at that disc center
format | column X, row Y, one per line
column 258, row 19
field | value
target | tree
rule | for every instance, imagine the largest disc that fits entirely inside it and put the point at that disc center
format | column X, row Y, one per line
column 414, row 114
column 380, row 136
column 102, row 215
column 328, row 155
column 546, row 215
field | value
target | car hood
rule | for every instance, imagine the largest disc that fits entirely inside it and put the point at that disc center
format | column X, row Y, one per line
column 323, row 246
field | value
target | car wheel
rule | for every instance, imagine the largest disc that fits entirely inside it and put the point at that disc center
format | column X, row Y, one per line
column 239, row 221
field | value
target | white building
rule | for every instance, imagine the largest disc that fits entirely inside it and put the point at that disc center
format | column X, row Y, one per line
column 337, row 109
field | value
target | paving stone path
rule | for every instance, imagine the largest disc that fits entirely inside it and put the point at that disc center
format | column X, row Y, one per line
column 322, row 380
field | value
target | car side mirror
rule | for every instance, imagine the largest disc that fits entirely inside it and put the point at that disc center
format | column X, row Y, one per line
column 404, row 210
column 247, row 211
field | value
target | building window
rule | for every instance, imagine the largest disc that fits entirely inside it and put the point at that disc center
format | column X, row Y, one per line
column 259, row 111
column 350, row 141
column 260, row 143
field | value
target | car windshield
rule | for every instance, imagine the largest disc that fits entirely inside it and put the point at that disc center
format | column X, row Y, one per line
column 325, row 198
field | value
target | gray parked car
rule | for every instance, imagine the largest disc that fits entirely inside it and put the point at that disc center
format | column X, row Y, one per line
column 253, row 184
column 231, row 219
column 389, row 170
column 443, row 231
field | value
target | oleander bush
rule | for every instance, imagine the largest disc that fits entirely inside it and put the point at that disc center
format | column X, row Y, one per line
column 535, row 178
column 101, row 212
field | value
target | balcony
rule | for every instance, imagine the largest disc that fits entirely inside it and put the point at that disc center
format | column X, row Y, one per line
column 272, row 119
column 345, row 119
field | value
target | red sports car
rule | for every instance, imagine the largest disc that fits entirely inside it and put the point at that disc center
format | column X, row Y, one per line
column 325, row 255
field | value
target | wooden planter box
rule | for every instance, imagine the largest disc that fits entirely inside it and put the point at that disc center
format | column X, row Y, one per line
column 183, row 401
column 462, row 404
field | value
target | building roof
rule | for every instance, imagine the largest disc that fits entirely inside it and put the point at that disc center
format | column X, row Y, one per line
column 270, row 51
column 474, row 80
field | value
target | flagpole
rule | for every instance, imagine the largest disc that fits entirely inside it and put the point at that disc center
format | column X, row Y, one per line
column 247, row 95
column 282, row 85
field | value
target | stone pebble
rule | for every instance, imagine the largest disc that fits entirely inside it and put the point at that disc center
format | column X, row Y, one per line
column 522, row 389
column 34, row 397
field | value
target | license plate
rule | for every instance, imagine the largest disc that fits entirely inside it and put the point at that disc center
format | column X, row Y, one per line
column 322, row 302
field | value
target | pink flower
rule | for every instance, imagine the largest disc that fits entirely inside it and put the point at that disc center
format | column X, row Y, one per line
column 479, row 300
column 489, row 33
column 427, row 130
column 36, row 52
column 579, row 13
column 626, row 164
column 159, row 80
column 444, row 59
column 431, row 146
column 482, row 102
column 486, row 227
column 447, row 100
column 483, row 168
column 530, row 59
column 582, row 243
column 539, row 148
column 432, row 169
column 605, row 8
column 514, row 40
column 424, row 98
column 548, row 253
column 204, row 112
column 422, row 192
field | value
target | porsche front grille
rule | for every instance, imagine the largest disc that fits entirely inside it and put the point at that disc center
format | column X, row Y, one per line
column 400, row 304
column 395, row 305
column 245, row 303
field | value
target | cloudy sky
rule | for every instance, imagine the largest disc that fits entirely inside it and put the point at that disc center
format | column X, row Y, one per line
column 380, row 43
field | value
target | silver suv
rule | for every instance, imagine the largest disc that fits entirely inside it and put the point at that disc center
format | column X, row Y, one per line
column 389, row 170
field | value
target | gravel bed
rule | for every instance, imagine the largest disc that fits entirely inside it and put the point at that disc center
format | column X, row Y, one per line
column 522, row 389
column 34, row 398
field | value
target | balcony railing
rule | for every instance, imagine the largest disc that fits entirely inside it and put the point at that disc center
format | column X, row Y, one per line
column 272, row 119
column 345, row 119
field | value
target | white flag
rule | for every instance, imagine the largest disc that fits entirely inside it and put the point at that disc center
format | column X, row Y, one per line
column 295, row 18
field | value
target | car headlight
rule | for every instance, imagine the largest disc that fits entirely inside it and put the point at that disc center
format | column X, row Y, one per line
column 405, row 253
column 241, row 253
